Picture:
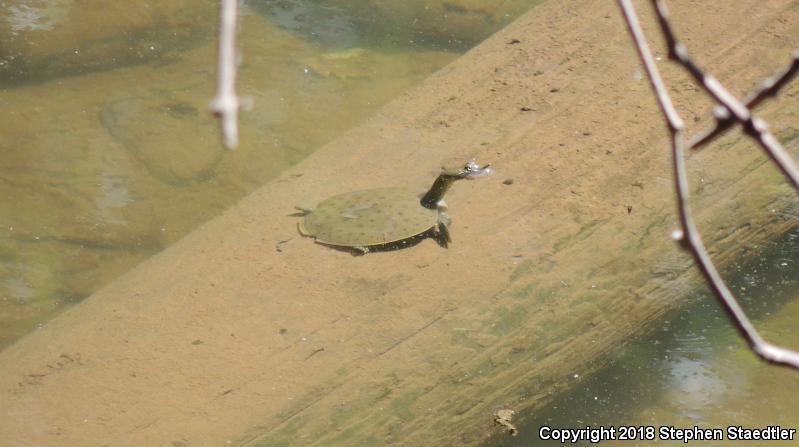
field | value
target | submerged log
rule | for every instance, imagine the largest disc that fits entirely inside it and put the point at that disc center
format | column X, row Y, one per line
column 245, row 332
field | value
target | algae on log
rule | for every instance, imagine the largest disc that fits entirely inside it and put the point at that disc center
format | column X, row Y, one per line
column 245, row 332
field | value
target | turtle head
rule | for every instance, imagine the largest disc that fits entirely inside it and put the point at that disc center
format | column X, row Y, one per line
column 448, row 176
column 468, row 171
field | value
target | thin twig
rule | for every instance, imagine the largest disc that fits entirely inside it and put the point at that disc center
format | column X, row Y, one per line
column 226, row 104
column 769, row 88
column 689, row 236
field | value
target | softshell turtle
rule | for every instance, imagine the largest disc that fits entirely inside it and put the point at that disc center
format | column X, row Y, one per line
column 385, row 217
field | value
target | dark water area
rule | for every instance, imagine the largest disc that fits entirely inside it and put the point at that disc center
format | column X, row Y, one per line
column 694, row 369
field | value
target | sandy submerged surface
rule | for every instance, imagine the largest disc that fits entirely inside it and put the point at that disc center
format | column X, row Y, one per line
column 244, row 332
column 112, row 166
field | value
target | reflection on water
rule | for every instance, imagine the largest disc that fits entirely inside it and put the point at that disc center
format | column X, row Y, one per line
column 321, row 23
column 45, row 39
column 695, row 370
column 436, row 24
column 112, row 164
column 24, row 17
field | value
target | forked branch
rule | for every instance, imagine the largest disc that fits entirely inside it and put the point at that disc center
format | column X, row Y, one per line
column 769, row 88
column 739, row 113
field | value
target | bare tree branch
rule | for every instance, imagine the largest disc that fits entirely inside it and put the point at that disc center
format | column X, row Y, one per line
column 226, row 104
column 689, row 235
column 770, row 87
column 753, row 126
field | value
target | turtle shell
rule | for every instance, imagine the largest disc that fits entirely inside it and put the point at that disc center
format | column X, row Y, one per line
column 369, row 217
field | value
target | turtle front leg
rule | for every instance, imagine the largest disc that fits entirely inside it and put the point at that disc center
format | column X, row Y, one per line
column 442, row 227
column 443, row 233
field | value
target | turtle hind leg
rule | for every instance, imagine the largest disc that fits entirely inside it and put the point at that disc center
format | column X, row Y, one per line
column 442, row 236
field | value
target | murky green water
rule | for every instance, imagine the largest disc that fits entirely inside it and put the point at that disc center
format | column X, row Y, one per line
column 694, row 370
column 109, row 153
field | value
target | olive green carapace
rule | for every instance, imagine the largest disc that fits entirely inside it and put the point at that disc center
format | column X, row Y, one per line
column 369, row 217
